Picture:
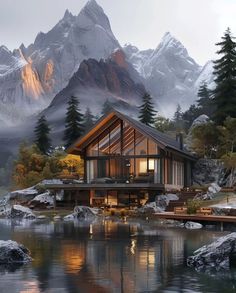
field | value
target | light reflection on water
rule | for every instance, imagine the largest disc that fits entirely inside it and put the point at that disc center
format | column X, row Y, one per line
column 107, row 256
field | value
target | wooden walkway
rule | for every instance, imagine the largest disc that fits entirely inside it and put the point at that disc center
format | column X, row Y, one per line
column 196, row 218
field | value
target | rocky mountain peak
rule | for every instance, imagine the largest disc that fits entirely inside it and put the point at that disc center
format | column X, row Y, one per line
column 118, row 56
column 93, row 14
column 68, row 14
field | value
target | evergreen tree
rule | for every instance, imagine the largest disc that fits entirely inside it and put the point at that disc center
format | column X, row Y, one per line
column 146, row 111
column 204, row 102
column 178, row 119
column 106, row 107
column 42, row 139
column 88, row 119
column 74, row 122
column 224, row 95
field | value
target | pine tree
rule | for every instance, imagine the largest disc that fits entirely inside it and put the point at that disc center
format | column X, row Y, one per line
column 224, row 95
column 42, row 139
column 106, row 107
column 74, row 122
column 88, row 119
column 146, row 111
column 204, row 102
column 178, row 119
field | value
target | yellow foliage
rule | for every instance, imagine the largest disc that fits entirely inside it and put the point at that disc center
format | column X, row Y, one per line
column 72, row 164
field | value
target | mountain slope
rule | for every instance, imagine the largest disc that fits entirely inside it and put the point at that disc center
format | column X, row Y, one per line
column 170, row 74
column 93, row 83
column 30, row 77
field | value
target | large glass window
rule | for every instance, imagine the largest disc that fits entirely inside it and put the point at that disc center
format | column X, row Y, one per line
column 128, row 140
column 152, row 147
column 104, row 144
column 141, row 145
column 92, row 149
column 115, row 140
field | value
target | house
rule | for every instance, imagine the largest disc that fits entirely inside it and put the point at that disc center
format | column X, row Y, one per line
column 127, row 163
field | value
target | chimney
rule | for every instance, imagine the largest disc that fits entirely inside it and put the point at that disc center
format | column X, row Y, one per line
column 179, row 139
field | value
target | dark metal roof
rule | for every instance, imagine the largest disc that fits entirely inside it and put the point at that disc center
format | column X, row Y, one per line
column 157, row 135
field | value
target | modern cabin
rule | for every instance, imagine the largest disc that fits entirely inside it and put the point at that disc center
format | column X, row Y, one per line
column 127, row 163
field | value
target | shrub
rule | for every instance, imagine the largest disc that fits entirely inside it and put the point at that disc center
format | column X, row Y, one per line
column 192, row 206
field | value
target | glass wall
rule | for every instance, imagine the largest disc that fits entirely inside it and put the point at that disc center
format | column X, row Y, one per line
column 124, row 155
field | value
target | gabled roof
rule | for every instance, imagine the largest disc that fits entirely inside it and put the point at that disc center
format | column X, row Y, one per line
column 162, row 139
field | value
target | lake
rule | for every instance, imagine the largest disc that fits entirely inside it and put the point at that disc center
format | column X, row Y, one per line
column 108, row 256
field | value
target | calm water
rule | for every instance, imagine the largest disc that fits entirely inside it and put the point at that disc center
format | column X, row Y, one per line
column 108, row 256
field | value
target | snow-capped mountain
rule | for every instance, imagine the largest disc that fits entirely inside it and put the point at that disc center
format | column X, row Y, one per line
column 170, row 74
column 31, row 77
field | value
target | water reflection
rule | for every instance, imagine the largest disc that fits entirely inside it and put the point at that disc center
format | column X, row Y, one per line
column 107, row 256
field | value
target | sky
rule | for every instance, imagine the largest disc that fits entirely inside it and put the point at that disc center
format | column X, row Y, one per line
column 198, row 24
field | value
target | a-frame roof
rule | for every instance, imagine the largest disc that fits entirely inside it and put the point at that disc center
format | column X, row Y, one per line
column 160, row 138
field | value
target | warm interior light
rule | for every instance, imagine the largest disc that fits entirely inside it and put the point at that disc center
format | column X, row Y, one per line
column 143, row 166
column 151, row 164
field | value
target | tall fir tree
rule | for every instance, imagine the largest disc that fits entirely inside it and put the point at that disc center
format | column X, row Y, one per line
column 73, row 122
column 178, row 119
column 204, row 102
column 224, row 95
column 147, row 112
column 106, row 107
column 88, row 119
column 42, row 139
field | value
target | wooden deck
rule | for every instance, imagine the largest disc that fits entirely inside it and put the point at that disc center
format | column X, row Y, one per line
column 196, row 218
column 105, row 186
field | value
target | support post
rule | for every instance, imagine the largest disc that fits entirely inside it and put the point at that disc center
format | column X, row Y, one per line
column 54, row 201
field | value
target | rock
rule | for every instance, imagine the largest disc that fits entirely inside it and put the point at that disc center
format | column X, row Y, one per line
column 24, row 194
column 192, row 225
column 21, row 212
column 207, row 171
column 215, row 256
column 57, row 218
column 12, row 252
column 43, row 199
column 41, row 217
column 150, row 208
column 82, row 213
column 162, row 201
column 69, row 217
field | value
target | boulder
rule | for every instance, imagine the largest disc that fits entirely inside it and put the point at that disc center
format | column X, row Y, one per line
column 192, row 225
column 207, row 171
column 150, row 208
column 11, row 252
column 215, row 256
column 82, row 213
column 21, row 212
column 42, row 200
column 162, row 201
column 212, row 190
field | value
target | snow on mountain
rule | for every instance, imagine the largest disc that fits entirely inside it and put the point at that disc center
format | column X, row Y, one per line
column 170, row 74
column 31, row 77
column 206, row 75
column 137, row 58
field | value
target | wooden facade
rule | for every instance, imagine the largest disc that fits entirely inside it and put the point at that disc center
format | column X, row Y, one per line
column 127, row 162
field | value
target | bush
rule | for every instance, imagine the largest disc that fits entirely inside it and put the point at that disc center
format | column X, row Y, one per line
column 192, row 206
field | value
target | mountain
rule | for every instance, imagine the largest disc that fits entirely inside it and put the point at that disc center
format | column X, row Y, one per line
column 95, row 82
column 170, row 74
column 31, row 77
